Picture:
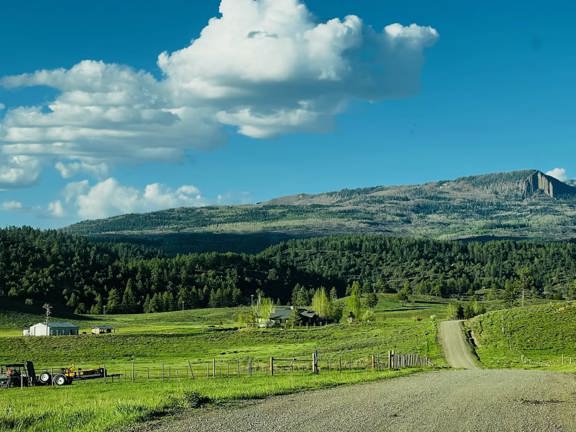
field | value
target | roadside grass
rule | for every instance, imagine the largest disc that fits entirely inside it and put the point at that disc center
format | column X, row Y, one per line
column 533, row 337
column 98, row 406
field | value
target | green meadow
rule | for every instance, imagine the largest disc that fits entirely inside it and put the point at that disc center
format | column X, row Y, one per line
column 180, row 342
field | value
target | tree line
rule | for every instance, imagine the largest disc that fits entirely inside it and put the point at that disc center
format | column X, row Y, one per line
column 65, row 270
column 84, row 277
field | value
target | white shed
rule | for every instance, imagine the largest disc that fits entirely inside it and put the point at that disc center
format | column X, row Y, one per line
column 53, row 329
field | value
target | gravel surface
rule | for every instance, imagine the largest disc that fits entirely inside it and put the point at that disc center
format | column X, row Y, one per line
column 447, row 401
column 444, row 401
column 456, row 349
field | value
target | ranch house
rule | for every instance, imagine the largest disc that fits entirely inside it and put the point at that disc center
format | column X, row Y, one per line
column 52, row 329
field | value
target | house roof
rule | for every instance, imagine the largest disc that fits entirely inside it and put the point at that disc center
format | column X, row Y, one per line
column 59, row 325
column 103, row 327
column 281, row 313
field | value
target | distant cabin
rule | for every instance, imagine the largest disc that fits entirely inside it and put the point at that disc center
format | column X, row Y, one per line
column 282, row 314
column 52, row 329
column 102, row 329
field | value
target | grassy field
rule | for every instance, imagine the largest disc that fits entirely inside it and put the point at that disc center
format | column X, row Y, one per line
column 540, row 336
column 170, row 340
column 178, row 337
column 11, row 323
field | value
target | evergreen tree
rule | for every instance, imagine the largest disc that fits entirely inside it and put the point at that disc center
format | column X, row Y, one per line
column 129, row 302
column 333, row 295
column 155, row 304
column 113, row 304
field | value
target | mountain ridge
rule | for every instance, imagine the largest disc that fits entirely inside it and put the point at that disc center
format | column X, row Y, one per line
column 518, row 204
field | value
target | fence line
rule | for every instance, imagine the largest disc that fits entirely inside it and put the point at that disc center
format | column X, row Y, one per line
column 247, row 367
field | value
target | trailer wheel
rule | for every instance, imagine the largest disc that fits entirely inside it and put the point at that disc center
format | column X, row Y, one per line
column 60, row 380
column 45, row 378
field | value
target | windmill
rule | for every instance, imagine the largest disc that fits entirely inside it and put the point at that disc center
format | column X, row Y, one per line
column 48, row 308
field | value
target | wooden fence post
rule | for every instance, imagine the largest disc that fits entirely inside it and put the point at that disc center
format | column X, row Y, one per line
column 213, row 368
column 373, row 361
column 315, row 362
column 133, row 372
column 271, row 365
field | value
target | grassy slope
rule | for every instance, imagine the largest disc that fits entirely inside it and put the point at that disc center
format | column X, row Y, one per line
column 96, row 406
column 541, row 336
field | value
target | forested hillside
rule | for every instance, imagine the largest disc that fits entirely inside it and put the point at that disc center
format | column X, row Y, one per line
column 38, row 266
column 498, row 268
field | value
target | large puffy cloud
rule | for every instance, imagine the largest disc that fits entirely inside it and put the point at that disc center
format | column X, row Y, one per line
column 109, row 198
column 265, row 67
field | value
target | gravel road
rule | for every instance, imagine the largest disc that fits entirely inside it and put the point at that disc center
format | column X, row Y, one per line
column 446, row 401
column 456, row 349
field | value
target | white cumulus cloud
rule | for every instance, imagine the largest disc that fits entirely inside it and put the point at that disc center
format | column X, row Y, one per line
column 109, row 197
column 558, row 173
column 264, row 67
column 18, row 170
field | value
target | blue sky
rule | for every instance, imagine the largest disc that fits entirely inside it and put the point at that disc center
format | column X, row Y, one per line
column 496, row 93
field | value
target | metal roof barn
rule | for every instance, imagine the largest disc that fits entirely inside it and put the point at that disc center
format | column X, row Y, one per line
column 53, row 329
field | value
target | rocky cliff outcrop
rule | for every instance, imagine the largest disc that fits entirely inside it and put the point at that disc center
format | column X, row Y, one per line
column 539, row 183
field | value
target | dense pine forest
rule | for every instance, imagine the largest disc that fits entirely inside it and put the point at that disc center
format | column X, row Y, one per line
column 443, row 268
column 39, row 266
column 85, row 277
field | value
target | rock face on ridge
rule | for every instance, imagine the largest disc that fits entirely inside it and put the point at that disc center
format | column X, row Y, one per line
column 540, row 183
